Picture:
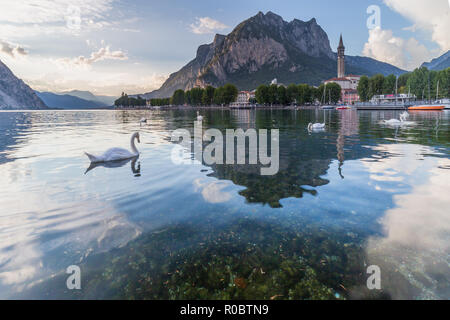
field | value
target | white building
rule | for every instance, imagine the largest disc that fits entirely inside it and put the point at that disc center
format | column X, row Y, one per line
column 243, row 99
column 349, row 82
column 349, row 86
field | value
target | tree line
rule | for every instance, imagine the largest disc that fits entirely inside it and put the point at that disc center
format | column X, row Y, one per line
column 124, row 100
column 300, row 94
column 421, row 82
column 205, row 96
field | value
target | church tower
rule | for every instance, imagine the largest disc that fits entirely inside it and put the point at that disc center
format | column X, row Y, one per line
column 341, row 59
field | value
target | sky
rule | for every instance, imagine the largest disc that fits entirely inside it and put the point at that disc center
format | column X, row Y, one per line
column 110, row 46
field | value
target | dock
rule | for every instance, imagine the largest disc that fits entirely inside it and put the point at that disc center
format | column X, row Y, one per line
column 381, row 107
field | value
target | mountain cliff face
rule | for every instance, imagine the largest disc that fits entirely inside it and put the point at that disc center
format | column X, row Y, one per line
column 265, row 47
column 15, row 94
column 440, row 63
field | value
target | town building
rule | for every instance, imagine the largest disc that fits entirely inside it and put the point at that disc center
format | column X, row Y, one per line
column 244, row 99
column 348, row 83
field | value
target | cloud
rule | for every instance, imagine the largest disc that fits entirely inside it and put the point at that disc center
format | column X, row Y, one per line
column 51, row 11
column 12, row 50
column 104, row 53
column 384, row 46
column 431, row 16
column 27, row 18
column 212, row 192
column 207, row 25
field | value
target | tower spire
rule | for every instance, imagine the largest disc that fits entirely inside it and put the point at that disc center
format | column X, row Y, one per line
column 341, row 58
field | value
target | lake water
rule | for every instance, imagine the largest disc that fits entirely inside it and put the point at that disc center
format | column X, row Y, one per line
column 358, row 194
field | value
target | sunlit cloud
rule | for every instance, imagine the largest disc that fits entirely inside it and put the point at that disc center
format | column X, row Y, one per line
column 28, row 18
column 104, row 53
column 406, row 54
column 433, row 17
column 207, row 25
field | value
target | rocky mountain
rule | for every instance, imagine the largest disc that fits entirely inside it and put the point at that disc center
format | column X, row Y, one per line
column 265, row 47
column 66, row 101
column 440, row 63
column 15, row 94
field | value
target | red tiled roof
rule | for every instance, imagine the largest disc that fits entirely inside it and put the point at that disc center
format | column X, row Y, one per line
column 337, row 79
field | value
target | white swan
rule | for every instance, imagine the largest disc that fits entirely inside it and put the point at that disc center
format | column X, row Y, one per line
column 402, row 120
column 115, row 154
column 143, row 120
column 199, row 117
column 316, row 126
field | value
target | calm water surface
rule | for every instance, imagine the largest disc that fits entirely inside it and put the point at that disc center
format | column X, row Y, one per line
column 358, row 194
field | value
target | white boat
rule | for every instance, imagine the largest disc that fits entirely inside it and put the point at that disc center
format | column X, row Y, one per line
column 329, row 106
column 444, row 102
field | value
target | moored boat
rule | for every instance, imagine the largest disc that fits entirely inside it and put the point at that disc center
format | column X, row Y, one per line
column 343, row 108
column 426, row 108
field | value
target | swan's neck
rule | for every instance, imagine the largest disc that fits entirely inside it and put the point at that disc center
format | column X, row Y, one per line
column 133, row 146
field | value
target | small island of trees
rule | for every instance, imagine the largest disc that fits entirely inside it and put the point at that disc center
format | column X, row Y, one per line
column 124, row 100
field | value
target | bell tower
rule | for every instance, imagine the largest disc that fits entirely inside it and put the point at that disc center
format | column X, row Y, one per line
column 341, row 59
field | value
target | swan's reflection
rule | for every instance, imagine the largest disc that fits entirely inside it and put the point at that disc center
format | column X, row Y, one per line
column 117, row 164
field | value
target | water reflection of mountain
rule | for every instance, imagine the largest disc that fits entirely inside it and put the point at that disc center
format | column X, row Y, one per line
column 304, row 158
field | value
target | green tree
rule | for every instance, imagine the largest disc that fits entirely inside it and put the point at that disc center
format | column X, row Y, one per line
column 389, row 84
column 282, row 96
column 418, row 82
column 208, row 95
column 230, row 93
column 292, row 93
column 376, row 84
column 273, row 94
column 444, row 83
column 187, row 97
column 363, row 89
column 219, row 96
column 196, row 96
column 403, row 79
column 334, row 91
column 304, row 94
column 178, row 97
column 262, row 94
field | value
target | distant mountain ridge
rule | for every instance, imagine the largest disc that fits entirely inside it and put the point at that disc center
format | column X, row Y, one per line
column 66, row 101
column 265, row 47
column 16, row 94
column 89, row 96
column 440, row 63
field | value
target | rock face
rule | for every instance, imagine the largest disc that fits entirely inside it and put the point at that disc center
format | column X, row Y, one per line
column 15, row 94
column 262, row 48
column 441, row 63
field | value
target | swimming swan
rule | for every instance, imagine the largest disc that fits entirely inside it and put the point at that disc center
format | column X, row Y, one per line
column 199, row 117
column 316, row 126
column 402, row 120
column 115, row 154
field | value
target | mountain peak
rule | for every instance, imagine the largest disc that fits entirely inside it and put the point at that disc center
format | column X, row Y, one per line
column 15, row 94
column 439, row 63
column 258, row 50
